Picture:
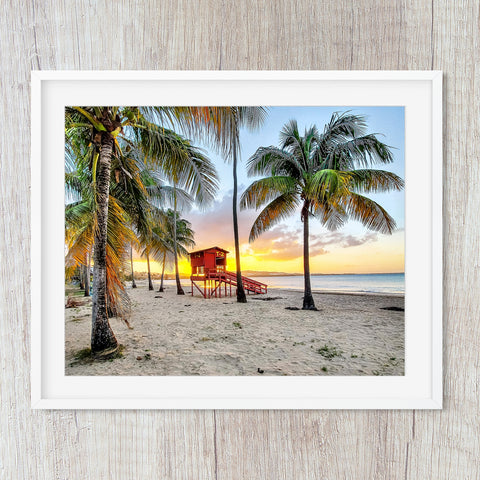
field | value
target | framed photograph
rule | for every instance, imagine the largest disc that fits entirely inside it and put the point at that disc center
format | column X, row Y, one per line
column 237, row 240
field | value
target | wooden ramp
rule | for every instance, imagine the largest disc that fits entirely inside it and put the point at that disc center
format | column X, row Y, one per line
column 220, row 283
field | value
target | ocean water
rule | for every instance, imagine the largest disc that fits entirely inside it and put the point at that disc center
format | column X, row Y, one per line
column 363, row 283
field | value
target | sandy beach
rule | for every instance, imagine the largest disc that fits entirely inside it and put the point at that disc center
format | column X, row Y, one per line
column 185, row 335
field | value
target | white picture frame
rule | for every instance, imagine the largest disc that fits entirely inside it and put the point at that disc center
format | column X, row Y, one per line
column 420, row 92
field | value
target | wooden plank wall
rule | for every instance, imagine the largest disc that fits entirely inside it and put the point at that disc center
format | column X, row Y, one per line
column 247, row 34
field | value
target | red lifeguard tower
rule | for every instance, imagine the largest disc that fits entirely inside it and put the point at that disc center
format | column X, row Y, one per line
column 209, row 267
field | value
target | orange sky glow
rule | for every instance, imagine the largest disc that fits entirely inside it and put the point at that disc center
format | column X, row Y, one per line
column 281, row 249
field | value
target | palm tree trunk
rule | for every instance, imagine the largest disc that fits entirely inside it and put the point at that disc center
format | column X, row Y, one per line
column 150, row 284
column 103, row 339
column 163, row 271
column 82, row 277
column 241, row 297
column 134, row 285
column 308, row 303
column 177, row 275
column 87, row 275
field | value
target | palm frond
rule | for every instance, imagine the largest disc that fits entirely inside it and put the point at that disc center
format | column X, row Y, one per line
column 360, row 151
column 373, row 181
column 331, row 215
column 265, row 190
column 368, row 212
column 278, row 209
column 325, row 183
column 274, row 161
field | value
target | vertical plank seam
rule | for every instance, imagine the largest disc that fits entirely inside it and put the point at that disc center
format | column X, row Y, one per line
column 406, row 461
column 221, row 53
column 432, row 45
column 215, row 442
column 78, row 37
column 37, row 56
column 413, row 425
column 351, row 38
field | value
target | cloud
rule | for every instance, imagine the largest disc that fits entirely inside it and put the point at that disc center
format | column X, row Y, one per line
column 215, row 227
column 281, row 243
column 344, row 240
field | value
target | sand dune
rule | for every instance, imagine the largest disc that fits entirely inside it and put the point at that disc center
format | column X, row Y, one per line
column 185, row 335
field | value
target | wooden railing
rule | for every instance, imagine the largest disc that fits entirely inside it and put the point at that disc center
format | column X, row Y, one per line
column 252, row 286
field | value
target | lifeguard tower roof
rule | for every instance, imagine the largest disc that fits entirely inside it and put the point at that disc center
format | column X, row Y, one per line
column 210, row 249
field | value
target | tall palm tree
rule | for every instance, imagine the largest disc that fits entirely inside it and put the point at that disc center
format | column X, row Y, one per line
column 175, row 247
column 79, row 235
column 319, row 174
column 87, row 275
column 174, row 237
column 80, row 223
column 225, row 124
column 134, row 285
column 202, row 195
column 136, row 126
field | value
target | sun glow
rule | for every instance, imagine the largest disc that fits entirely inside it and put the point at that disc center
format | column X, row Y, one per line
column 385, row 256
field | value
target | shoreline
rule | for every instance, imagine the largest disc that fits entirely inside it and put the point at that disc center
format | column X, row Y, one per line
column 339, row 292
column 188, row 335
column 186, row 285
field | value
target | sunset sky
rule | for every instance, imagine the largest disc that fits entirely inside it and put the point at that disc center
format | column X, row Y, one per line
column 352, row 249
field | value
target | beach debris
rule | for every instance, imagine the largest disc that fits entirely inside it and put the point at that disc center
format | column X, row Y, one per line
column 158, row 296
column 73, row 303
column 139, row 358
column 259, row 370
column 268, row 299
column 393, row 309
column 127, row 323
column 237, row 324
column 292, row 308
column 188, row 305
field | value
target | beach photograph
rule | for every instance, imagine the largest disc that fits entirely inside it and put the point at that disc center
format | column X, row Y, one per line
column 234, row 241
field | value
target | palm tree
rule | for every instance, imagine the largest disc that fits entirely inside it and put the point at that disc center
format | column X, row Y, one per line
column 318, row 173
column 136, row 127
column 175, row 247
column 134, row 285
column 80, row 223
column 87, row 275
column 146, row 253
column 79, row 234
column 173, row 237
column 204, row 171
column 225, row 124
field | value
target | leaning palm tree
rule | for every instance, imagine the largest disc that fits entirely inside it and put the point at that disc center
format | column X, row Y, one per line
column 319, row 174
column 80, row 224
column 136, row 126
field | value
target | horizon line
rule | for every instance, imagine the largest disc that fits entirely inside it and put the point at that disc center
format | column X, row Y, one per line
column 295, row 274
